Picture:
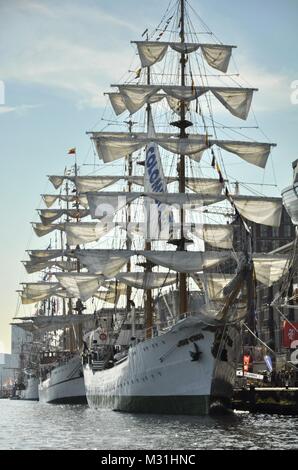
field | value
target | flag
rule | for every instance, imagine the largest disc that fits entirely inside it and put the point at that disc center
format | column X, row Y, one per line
column 71, row 151
column 159, row 224
column 268, row 361
column 138, row 73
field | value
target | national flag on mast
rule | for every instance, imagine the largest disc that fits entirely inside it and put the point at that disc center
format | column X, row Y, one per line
column 72, row 151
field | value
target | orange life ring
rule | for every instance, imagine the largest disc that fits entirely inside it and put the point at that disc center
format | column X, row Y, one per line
column 102, row 336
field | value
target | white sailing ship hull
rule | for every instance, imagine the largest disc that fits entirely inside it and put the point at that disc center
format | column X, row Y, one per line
column 159, row 375
column 65, row 384
column 31, row 391
column 290, row 201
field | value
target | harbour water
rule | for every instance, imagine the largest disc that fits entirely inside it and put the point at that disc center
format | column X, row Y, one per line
column 31, row 425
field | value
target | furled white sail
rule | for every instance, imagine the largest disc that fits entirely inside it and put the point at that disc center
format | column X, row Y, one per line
column 151, row 52
column 270, row 268
column 50, row 199
column 107, row 262
column 215, row 283
column 135, row 97
column 236, row 100
column 62, row 264
column 114, row 146
column 219, row 236
column 50, row 215
column 42, row 230
column 86, row 184
column 80, row 285
column 252, row 152
column 216, row 55
column 204, row 185
column 44, row 255
column 186, row 261
column 95, row 183
column 85, row 232
column 117, row 145
column 261, row 210
column 45, row 324
column 106, row 204
column 117, row 102
column 147, row 280
column 36, row 291
column 57, row 180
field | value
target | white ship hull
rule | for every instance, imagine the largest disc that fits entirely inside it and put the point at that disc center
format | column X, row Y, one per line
column 65, row 384
column 159, row 375
column 31, row 391
column 290, row 201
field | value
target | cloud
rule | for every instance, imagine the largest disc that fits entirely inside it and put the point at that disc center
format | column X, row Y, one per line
column 69, row 55
column 77, row 69
column 21, row 110
column 274, row 88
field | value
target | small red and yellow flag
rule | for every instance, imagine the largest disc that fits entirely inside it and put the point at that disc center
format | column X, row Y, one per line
column 71, row 151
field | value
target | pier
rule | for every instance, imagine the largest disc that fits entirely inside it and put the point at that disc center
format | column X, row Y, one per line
column 269, row 400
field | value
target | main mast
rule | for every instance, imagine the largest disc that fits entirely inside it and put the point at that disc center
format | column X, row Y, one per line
column 128, row 220
column 181, row 166
column 148, row 293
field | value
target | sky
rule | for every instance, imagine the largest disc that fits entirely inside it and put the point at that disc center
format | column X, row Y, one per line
column 58, row 57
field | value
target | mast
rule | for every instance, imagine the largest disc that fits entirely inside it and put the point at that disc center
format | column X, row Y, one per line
column 181, row 166
column 148, row 294
column 70, row 340
column 78, row 330
column 128, row 220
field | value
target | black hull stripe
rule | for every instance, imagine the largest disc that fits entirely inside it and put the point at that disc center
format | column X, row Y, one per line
column 82, row 400
column 176, row 405
column 64, row 381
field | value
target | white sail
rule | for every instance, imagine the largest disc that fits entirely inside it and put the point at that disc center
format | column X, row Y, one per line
column 97, row 183
column 44, row 255
column 236, row 100
column 186, row 261
column 117, row 102
column 34, row 267
column 219, row 236
column 57, row 180
column 41, row 230
column 36, row 291
column 118, row 145
column 252, row 152
column 261, row 210
column 269, row 268
column 108, row 203
column 50, row 215
column 85, row 232
column 50, row 199
column 216, row 55
column 147, row 280
column 107, row 262
column 46, row 324
column 215, row 283
column 80, row 285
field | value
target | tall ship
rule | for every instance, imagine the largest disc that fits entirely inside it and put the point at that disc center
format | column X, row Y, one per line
column 193, row 282
column 57, row 318
column 148, row 242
